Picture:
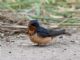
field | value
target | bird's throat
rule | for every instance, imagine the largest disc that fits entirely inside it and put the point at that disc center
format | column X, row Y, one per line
column 31, row 30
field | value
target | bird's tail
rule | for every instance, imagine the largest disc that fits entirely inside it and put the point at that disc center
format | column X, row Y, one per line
column 57, row 32
column 67, row 33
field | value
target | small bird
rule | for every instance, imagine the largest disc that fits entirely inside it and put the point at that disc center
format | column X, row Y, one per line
column 41, row 35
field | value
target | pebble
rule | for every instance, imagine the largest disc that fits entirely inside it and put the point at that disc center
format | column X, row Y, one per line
column 9, row 51
column 0, row 45
column 72, row 41
column 65, row 49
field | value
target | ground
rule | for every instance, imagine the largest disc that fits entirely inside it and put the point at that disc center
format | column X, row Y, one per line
column 19, row 47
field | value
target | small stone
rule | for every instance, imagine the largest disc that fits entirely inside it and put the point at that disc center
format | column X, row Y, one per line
column 9, row 51
column 0, row 45
column 72, row 41
column 12, row 41
column 74, row 54
column 7, row 40
column 65, row 49
column 61, row 37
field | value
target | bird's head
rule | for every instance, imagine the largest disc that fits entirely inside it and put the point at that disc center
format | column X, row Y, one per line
column 32, row 26
column 34, row 23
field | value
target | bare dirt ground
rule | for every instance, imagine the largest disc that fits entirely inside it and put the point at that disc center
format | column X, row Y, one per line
column 19, row 47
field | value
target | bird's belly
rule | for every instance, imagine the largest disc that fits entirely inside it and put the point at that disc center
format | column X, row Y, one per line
column 40, row 40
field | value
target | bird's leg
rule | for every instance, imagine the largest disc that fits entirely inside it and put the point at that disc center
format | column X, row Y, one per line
column 41, row 45
column 38, row 44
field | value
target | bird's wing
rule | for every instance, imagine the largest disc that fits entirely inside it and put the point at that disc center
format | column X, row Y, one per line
column 43, row 32
column 56, row 32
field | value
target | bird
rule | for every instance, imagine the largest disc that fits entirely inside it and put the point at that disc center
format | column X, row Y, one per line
column 41, row 35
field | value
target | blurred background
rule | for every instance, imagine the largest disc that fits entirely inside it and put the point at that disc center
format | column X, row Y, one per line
column 60, row 12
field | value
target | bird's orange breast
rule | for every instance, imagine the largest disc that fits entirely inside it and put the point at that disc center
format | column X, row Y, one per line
column 40, row 40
